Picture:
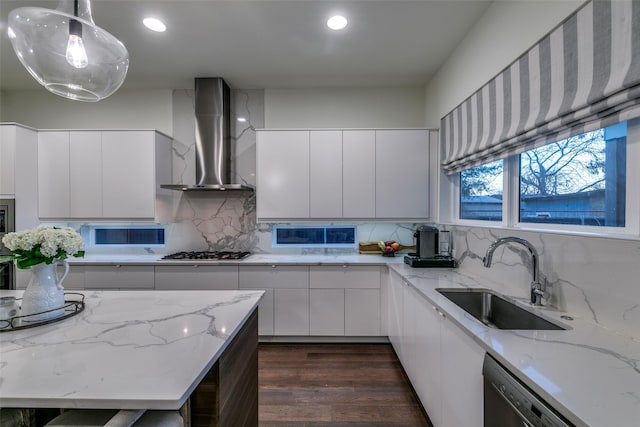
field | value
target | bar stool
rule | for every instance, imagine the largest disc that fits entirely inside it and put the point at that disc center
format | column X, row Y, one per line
column 115, row 418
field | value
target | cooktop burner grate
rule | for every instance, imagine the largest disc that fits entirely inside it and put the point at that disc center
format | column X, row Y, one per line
column 206, row 255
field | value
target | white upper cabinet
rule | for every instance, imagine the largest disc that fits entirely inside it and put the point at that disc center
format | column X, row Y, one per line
column 359, row 174
column 402, row 173
column 325, row 175
column 103, row 175
column 7, row 160
column 283, row 174
column 343, row 174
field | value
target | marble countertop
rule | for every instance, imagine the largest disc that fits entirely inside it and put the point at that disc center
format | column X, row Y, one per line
column 126, row 350
column 253, row 259
column 588, row 373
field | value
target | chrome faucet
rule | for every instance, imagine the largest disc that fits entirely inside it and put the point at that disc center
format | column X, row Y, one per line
column 537, row 288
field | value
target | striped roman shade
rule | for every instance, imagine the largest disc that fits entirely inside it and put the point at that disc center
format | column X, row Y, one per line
column 583, row 76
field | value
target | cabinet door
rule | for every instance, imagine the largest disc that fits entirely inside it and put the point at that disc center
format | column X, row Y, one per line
column 325, row 175
column 427, row 381
column 265, row 313
column 196, row 277
column 408, row 336
column 395, row 308
column 85, row 174
column 291, row 313
column 359, row 174
column 119, row 277
column 53, row 175
column 462, row 378
column 402, row 154
column 7, row 159
column 128, row 174
column 282, row 174
column 362, row 312
column 326, row 312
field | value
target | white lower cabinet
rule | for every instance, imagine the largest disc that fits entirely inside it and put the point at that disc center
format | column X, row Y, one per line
column 345, row 300
column 196, row 277
column 325, row 300
column 286, row 299
column 443, row 363
column 123, row 277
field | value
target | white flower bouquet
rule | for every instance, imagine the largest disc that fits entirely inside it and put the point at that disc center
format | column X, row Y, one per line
column 43, row 245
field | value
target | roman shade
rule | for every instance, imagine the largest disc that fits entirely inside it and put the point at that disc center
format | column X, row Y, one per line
column 582, row 76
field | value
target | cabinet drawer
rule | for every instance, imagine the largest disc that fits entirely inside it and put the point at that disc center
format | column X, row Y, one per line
column 274, row 276
column 196, row 277
column 119, row 277
column 344, row 276
column 75, row 278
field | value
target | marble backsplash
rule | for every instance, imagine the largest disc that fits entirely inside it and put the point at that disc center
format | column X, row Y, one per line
column 594, row 278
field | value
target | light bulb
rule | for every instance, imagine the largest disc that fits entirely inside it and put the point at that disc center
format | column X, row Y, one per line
column 76, row 53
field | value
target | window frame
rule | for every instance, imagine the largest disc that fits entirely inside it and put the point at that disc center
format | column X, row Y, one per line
column 88, row 232
column 276, row 227
column 511, row 198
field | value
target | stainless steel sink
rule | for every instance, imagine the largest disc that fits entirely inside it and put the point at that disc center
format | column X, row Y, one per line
column 493, row 310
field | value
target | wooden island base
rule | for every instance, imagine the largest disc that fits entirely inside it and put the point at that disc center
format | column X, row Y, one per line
column 228, row 394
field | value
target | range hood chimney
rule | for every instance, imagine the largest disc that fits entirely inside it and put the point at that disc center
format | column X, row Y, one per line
column 213, row 138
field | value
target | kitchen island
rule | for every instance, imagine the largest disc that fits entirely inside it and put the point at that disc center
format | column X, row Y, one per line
column 194, row 351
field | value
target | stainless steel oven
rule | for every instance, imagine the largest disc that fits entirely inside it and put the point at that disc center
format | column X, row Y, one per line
column 7, row 225
column 510, row 403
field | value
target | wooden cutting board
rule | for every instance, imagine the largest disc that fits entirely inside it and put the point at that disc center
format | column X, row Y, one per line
column 373, row 248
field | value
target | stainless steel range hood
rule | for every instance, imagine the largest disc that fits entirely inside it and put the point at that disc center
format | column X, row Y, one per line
column 213, row 138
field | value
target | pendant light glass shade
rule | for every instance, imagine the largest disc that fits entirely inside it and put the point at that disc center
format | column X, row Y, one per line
column 66, row 52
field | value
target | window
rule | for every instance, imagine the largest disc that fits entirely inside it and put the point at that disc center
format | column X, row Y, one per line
column 301, row 236
column 580, row 180
column 581, row 183
column 121, row 235
column 481, row 192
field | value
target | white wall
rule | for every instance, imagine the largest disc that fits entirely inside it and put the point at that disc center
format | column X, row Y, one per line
column 506, row 30
column 126, row 109
column 387, row 107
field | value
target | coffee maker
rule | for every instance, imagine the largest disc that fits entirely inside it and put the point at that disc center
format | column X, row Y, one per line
column 426, row 242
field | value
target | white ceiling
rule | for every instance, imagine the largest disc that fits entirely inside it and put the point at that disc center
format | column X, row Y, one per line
column 272, row 43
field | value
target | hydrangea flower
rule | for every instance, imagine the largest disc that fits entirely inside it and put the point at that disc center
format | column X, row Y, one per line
column 43, row 245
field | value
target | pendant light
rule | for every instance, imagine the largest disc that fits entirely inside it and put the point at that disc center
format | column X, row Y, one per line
column 66, row 52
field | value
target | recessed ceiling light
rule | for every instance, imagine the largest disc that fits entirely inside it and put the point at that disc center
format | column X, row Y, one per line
column 242, row 119
column 337, row 22
column 154, row 25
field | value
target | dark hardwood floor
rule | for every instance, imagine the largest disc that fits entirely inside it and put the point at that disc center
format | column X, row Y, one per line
column 335, row 385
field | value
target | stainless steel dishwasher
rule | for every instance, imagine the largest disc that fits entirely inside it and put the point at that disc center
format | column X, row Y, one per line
column 510, row 403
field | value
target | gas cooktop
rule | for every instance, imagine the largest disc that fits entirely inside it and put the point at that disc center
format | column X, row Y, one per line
column 205, row 255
